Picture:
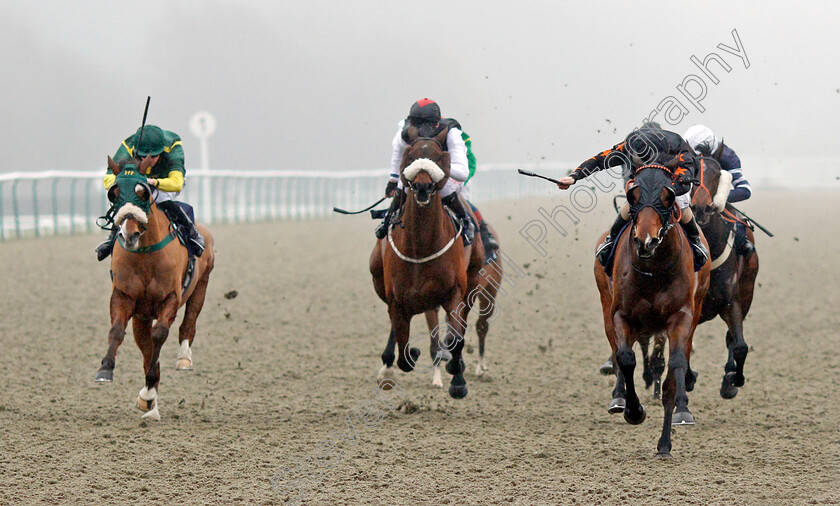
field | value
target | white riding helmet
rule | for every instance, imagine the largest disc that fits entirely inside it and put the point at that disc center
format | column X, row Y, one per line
column 701, row 135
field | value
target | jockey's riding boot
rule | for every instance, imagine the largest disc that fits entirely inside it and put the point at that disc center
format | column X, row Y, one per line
column 743, row 246
column 692, row 232
column 104, row 249
column 487, row 237
column 382, row 229
column 177, row 214
column 602, row 253
column 454, row 203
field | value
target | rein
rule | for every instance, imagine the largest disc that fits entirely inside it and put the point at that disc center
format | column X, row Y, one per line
column 424, row 259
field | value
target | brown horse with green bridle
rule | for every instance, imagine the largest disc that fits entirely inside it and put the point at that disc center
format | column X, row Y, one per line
column 652, row 288
column 149, row 270
column 423, row 264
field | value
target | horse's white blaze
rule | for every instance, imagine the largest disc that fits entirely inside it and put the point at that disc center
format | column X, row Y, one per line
column 436, row 380
column 130, row 209
column 424, row 165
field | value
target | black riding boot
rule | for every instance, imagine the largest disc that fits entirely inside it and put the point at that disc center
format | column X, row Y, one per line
column 743, row 246
column 602, row 253
column 487, row 238
column 692, row 231
column 107, row 246
column 454, row 203
column 382, row 229
column 177, row 215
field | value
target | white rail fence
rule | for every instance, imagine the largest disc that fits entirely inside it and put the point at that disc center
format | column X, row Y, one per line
column 65, row 202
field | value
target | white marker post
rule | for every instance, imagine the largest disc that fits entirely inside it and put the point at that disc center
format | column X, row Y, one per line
column 203, row 125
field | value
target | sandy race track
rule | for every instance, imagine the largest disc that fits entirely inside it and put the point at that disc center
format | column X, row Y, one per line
column 285, row 375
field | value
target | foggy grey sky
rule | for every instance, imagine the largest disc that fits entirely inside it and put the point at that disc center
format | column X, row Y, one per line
column 321, row 84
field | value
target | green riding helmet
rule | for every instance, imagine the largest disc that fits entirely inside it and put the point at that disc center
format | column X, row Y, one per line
column 152, row 143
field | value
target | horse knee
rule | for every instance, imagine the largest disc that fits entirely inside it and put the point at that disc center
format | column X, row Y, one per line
column 117, row 333
column 678, row 360
column 626, row 358
column 160, row 333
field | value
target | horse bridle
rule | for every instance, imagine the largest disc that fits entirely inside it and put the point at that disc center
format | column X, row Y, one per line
column 440, row 183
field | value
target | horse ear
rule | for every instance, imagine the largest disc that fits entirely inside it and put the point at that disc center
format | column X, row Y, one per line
column 633, row 195
column 668, row 197
column 114, row 166
column 145, row 164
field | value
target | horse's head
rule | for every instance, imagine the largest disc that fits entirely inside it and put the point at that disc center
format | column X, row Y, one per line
column 710, row 195
column 651, row 200
column 131, row 197
column 425, row 165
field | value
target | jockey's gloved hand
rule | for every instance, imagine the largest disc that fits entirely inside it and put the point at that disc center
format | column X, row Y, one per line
column 390, row 188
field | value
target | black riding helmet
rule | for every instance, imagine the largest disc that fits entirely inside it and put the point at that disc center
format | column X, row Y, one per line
column 424, row 110
column 425, row 116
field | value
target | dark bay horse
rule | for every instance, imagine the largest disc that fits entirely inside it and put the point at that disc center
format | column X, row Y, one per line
column 422, row 264
column 653, row 289
column 733, row 276
column 147, row 271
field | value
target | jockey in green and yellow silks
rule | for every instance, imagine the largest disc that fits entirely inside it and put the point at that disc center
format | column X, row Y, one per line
column 166, row 177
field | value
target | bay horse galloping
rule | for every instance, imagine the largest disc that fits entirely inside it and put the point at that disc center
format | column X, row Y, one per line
column 148, row 272
column 653, row 288
column 733, row 276
column 422, row 264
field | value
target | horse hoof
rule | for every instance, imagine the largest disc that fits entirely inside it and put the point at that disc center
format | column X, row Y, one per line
column 607, row 369
column 727, row 391
column 734, row 380
column 682, row 418
column 103, row 376
column 663, row 456
column 184, row 364
column 145, row 405
column 385, row 378
column 458, row 391
column 635, row 421
column 617, row 405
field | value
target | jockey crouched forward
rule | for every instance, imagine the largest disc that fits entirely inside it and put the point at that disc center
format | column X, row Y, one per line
column 703, row 141
column 166, row 177
column 648, row 145
column 425, row 116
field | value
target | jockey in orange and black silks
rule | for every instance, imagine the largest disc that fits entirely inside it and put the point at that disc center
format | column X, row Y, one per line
column 648, row 145
column 165, row 177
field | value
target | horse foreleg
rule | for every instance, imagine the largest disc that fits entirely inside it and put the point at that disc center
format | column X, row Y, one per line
column 147, row 399
column 401, row 326
column 675, row 398
column 634, row 411
column 457, row 312
column 737, row 351
column 186, row 332
column 482, row 325
column 657, row 364
column 122, row 307
column 385, row 377
column 435, row 351
column 647, row 374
